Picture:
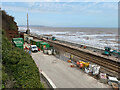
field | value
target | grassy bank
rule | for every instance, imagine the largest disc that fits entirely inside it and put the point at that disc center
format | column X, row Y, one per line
column 19, row 69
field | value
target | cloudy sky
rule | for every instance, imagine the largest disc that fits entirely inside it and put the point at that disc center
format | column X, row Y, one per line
column 64, row 14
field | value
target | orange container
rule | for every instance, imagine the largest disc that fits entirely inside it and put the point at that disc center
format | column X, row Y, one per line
column 69, row 61
column 81, row 65
column 71, row 65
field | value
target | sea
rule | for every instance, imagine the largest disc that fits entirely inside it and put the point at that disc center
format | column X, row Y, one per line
column 95, row 37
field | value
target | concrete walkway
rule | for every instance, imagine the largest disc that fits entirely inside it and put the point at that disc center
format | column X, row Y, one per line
column 62, row 75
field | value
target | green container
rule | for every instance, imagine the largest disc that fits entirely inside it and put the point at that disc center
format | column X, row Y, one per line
column 18, row 44
column 18, row 39
column 31, row 42
column 44, row 45
column 37, row 43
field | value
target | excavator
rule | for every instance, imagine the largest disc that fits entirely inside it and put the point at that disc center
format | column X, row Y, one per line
column 108, row 52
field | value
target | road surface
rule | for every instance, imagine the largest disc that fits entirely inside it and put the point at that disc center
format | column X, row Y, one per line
column 64, row 76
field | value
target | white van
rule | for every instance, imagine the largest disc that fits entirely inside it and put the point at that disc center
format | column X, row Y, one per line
column 33, row 48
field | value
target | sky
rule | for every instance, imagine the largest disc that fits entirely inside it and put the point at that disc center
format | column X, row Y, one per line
column 64, row 14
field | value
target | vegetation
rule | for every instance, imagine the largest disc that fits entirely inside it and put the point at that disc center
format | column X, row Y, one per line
column 8, row 22
column 18, row 68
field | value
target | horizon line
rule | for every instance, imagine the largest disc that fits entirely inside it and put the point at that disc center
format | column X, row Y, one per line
column 69, row 26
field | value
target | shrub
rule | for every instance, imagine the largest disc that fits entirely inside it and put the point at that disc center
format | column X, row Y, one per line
column 18, row 67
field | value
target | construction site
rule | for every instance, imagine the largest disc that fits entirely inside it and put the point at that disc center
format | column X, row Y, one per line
column 64, row 64
column 69, row 66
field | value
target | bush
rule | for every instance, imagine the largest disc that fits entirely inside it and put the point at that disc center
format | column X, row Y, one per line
column 19, row 68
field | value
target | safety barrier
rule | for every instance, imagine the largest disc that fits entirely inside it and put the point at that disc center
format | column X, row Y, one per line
column 48, row 80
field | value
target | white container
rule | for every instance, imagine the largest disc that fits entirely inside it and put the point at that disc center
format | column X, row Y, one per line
column 29, row 38
column 25, row 37
column 96, row 70
column 54, row 52
column 45, row 51
column 49, row 52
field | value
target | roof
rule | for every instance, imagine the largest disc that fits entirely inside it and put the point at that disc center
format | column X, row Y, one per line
column 33, row 46
column 44, row 43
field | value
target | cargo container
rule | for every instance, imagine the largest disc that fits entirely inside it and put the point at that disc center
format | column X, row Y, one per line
column 31, row 42
column 18, row 42
column 18, row 39
column 36, row 42
column 25, row 37
column 44, row 45
column 29, row 38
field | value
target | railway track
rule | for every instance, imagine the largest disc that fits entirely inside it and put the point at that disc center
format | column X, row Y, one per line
column 108, row 66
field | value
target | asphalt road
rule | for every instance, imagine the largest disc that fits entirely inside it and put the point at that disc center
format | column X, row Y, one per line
column 64, row 76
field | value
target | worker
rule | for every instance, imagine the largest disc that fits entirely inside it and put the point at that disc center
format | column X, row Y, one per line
column 84, row 47
column 29, row 52
column 81, row 65
column 71, row 57
column 78, row 63
column 38, row 49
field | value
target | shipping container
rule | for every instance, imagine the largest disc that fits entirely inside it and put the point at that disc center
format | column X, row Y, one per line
column 29, row 38
column 36, row 42
column 31, row 42
column 44, row 45
column 25, row 37
column 18, row 39
column 18, row 44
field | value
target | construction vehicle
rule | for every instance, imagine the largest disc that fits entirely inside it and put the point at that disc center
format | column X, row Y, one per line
column 116, row 53
column 107, row 51
column 110, row 52
column 53, row 38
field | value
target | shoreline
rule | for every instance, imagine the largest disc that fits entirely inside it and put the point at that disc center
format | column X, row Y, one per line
column 96, row 39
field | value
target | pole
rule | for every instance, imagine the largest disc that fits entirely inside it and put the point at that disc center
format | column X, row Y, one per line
column 27, row 22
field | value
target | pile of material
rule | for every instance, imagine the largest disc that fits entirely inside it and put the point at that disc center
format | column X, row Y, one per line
column 113, row 82
column 103, row 78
